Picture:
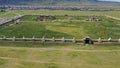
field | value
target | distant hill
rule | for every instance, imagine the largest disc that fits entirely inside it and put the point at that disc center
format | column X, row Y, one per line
column 58, row 2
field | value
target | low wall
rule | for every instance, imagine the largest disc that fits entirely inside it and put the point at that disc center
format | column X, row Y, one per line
column 7, row 20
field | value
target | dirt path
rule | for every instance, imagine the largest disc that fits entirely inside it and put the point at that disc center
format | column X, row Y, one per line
column 116, row 18
column 31, row 60
column 60, row 49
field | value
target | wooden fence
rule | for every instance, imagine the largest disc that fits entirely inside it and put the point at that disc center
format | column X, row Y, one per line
column 60, row 40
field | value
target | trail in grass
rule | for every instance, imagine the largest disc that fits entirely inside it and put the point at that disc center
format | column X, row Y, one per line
column 116, row 18
column 62, row 49
column 29, row 60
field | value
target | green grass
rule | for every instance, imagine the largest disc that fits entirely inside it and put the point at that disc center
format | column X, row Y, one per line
column 61, row 27
column 59, row 12
column 7, row 14
column 60, row 55
column 57, row 55
column 63, row 12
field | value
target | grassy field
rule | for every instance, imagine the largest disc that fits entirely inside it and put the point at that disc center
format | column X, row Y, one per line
column 61, row 27
column 60, row 55
column 58, row 12
column 37, row 55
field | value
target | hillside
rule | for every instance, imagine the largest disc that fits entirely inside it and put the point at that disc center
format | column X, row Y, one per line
column 58, row 2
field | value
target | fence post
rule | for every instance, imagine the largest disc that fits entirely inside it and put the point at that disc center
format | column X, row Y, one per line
column 109, row 40
column 33, row 38
column 23, row 38
column 63, row 39
column 119, row 40
column 99, row 40
column 53, row 39
column 74, row 40
column 14, row 39
column 43, row 39
column 4, row 37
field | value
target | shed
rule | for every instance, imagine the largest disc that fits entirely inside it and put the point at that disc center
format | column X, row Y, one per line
column 88, row 40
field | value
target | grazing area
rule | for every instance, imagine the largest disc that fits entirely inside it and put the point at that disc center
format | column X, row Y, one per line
column 66, row 24
column 62, row 25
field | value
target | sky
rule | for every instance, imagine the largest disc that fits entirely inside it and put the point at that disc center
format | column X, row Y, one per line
column 111, row 0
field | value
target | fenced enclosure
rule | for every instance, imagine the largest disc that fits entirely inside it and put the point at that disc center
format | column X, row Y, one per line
column 60, row 30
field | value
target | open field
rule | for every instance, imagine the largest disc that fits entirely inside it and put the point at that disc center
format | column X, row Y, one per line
column 60, row 55
column 62, row 27
column 38, row 55
column 59, row 12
